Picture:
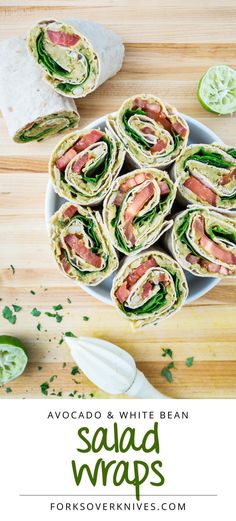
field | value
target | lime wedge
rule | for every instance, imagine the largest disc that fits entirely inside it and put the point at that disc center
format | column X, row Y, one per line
column 217, row 90
column 13, row 358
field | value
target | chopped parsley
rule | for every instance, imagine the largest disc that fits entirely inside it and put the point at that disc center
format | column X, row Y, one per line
column 39, row 327
column 8, row 390
column 74, row 370
column 61, row 341
column 7, row 313
column 52, row 378
column 69, row 333
column 35, row 312
column 44, row 388
column 32, row 291
column 85, row 318
column 189, row 361
column 13, row 273
column 68, row 300
column 63, row 365
column 58, row 307
column 54, row 315
column 167, row 352
column 167, row 374
column 16, row 308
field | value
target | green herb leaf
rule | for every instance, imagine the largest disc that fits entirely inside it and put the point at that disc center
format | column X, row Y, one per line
column 171, row 365
column 35, row 312
column 63, row 365
column 58, row 307
column 69, row 333
column 44, row 388
column 52, row 378
column 39, row 327
column 74, row 370
column 59, row 317
column 61, row 341
column 39, row 368
column 8, row 315
column 166, row 373
column 32, row 291
column 8, row 390
column 16, row 308
column 13, row 273
column 189, row 361
column 68, row 300
column 85, row 318
column 167, row 352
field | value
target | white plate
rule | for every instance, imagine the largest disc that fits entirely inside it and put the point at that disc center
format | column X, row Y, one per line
column 198, row 286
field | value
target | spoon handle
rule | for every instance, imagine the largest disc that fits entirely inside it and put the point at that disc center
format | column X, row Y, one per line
column 141, row 388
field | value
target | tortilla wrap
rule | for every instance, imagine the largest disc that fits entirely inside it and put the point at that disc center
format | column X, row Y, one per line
column 84, row 164
column 207, row 176
column 135, row 209
column 76, row 55
column 153, row 133
column 80, row 245
column 203, row 241
column 149, row 287
column 31, row 110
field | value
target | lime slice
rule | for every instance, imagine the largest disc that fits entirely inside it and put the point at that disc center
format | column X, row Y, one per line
column 13, row 358
column 217, row 90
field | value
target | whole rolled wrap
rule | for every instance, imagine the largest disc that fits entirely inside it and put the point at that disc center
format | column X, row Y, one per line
column 153, row 133
column 207, row 176
column 81, row 246
column 135, row 209
column 76, row 56
column 203, row 241
column 31, row 110
column 84, row 164
column 149, row 287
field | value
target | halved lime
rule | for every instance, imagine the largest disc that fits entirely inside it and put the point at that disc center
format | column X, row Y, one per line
column 217, row 90
column 13, row 358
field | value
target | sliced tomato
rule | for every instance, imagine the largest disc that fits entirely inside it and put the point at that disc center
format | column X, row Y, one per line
column 216, row 251
column 85, row 253
column 87, row 140
column 138, row 272
column 159, row 146
column 70, row 211
column 63, row 161
column 179, row 128
column 139, row 201
column 65, row 263
column 63, row 39
column 192, row 259
column 78, row 165
column 146, row 289
column 202, row 191
column 164, row 188
column 122, row 293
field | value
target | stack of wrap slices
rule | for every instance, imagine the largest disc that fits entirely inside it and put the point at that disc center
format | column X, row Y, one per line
column 140, row 203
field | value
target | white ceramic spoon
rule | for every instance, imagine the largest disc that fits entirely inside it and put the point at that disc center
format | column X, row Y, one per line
column 110, row 368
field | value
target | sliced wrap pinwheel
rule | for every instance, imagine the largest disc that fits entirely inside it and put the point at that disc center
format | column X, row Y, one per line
column 32, row 111
column 207, row 176
column 84, row 164
column 153, row 133
column 81, row 246
column 203, row 241
column 134, row 210
column 149, row 287
column 75, row 55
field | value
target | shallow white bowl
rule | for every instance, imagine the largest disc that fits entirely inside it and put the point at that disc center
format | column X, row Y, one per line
column 198, row 286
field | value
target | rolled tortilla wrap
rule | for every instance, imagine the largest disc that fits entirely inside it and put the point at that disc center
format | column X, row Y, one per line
column 31, row 110
column 153, row 133
column 203, row 241
column 135, row 209
column 149, row 287
column 207, row 176
column 81, row 246
column 76, row 55
column 84, row 164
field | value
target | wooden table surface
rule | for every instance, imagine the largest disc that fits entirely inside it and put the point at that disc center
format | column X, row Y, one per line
column 169, row 44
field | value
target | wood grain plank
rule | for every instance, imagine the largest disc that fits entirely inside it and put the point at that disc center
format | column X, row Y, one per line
column 161, row 21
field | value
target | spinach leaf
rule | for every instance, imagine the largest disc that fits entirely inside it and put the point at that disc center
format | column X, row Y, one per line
column 153, row 304
column 209, row 158
column 97, row 170
column 44, row 58
column 136, row 137
column 231, row 152
column 218, row 231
